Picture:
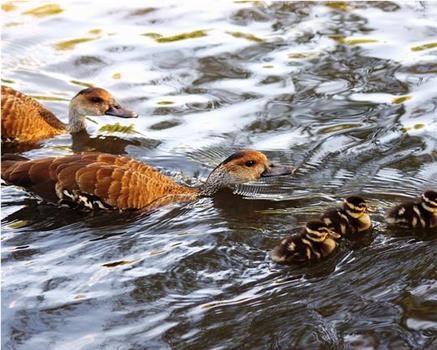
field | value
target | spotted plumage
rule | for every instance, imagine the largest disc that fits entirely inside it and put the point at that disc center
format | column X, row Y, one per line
column 316, row 241
column 351, row 218
column 421, row 213
column 105, row 181
column 26, row 120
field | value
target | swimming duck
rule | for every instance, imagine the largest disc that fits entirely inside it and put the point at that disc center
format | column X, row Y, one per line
column 415, row 214
column 351, row 218
column 314, row 242
column 24, row 119
column 106, row 181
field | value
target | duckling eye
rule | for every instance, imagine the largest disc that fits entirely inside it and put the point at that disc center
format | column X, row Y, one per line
column 250, row 163
column 96, row 99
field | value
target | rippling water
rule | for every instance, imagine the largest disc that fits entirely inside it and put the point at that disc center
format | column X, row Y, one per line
column 345, row 91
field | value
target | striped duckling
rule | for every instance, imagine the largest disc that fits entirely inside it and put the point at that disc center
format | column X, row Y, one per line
column 106, row 181
column 351, row 218
column 25, row 120
column 415, row 214
column 316, row 241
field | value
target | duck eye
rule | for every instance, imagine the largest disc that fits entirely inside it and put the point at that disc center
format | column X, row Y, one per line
column 250, row 163
column 96, row 99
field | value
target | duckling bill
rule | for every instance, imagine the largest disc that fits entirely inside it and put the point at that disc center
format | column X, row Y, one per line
column 351, row 218
column 106, row 181
column 421, row 213
column 316, row 241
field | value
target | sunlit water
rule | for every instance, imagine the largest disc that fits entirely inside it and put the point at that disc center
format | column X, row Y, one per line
column 345, row 92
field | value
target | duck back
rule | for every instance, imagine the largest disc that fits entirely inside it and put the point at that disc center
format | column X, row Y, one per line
column 411, row 215
column 95, row 181
column 25, row 119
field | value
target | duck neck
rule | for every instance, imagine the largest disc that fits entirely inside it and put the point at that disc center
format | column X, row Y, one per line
column 76, row 120
column 218, row 179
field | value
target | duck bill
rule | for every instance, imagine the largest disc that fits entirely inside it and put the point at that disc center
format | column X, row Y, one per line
column 277, row 170
column 121, row 112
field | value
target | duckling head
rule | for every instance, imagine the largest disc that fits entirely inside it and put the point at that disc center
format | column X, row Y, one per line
column 242, row 167
column 429, row 201
column 355, row 206
column 95, row 102
column 318, row 231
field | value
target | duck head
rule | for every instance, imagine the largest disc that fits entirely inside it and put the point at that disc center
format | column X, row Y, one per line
column 429, row 201
column 242, row 167
column 356, row 206
column 318, row 231
column 94, row 102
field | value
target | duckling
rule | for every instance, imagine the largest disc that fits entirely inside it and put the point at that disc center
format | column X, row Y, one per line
column 25, row 120
column 106, row 181
column 415, row 214
column 314, row 242
column 352, row 218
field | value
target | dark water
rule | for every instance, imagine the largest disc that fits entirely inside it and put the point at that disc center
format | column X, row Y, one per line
column 346, row 92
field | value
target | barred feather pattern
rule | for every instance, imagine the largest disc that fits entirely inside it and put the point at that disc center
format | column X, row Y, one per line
column 96, row 181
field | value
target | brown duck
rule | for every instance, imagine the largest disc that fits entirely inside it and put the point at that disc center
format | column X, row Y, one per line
column 105, row 181
column 415, row 214
column 316, row 241
column 25, row 120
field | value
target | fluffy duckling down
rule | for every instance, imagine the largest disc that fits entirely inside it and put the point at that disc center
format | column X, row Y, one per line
column 316, row 241
column 421, row 213
column 352, row 218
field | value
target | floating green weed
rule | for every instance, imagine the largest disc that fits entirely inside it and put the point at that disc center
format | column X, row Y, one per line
column 142, row 12
column 401, row 99
column 424, row 47
column 157, row 252
column 340, row 38
column 359, row 41
column 338, row 5
column 152, row 35
column 71, row 44
column 302, row 55
column 46, row 10
column 8, row 81
column 417, row 126
column 117, row 127
column 117, row 263
column 246, row 36
column 182, row 36
column 338, row 127
column 165, row 103
column 95, row 31
column 18, row 224
column 247, row 1
column 81, row 83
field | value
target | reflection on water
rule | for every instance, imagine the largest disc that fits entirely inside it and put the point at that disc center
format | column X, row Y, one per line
column 345, row 91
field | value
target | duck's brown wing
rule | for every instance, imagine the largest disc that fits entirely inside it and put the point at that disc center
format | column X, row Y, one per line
column 93, row 180
column 24, row 119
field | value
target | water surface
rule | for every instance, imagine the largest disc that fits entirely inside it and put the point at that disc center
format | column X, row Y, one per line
column 344, row 91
